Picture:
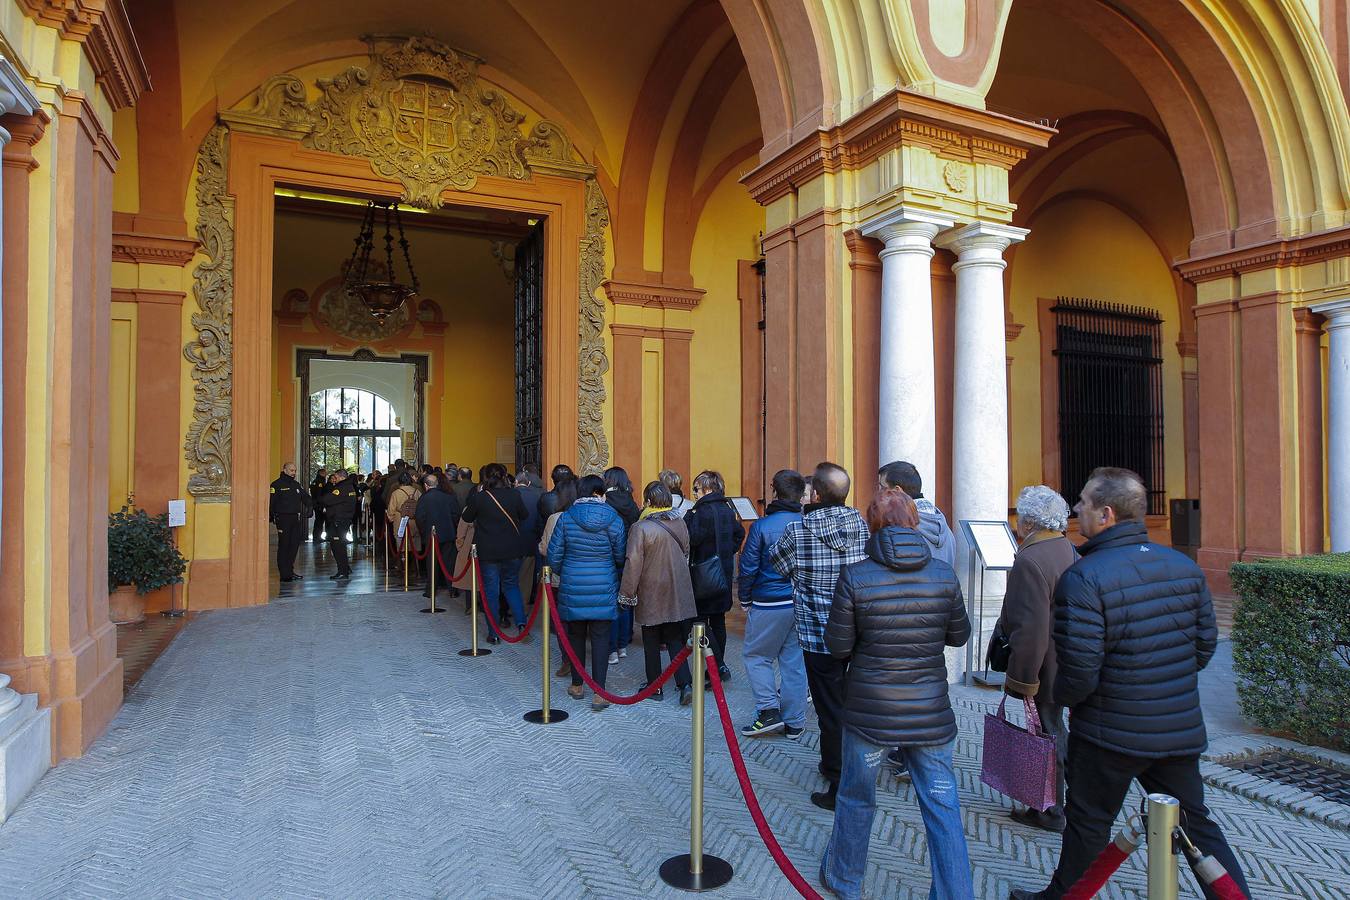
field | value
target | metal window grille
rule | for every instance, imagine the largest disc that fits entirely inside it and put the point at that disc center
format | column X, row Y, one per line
column 1110, row 393
column 529, row 327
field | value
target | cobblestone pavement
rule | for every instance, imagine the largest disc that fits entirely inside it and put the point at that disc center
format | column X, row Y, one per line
column 341, row 748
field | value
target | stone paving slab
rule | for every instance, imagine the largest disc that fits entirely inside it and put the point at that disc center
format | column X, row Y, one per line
column 341, row 748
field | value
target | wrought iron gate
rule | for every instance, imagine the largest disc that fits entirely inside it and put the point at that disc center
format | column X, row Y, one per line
column 1110, row 393
column 529, row 266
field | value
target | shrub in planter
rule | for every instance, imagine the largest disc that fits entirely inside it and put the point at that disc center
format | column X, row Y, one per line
column 1291, row 646
column 141, row 552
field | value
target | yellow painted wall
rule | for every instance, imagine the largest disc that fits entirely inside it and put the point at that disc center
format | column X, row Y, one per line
column 727, row 232
column 121, row 405
column 472, row 367
column 1086, row 248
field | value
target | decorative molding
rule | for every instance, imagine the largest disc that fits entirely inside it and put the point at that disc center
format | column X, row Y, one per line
column 623, row 329
column 211, row 352
column 1188, row 346
column 1308, row 322
column 1277, row 254
column 1011, row 330
column 955, row 133
column 146, row 295
column 153, row 249
column 74, row 19
column 116, row 58
column 24, row 133
column 420, row 116
column 663, row 296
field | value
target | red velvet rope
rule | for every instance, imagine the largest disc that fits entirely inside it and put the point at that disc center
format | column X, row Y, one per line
column 580, row 668
column 1227, row 888
column 487, row 608
column 748, row 790
column 440, row 562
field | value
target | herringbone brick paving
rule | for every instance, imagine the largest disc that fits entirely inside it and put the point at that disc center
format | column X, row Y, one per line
column 341, row 748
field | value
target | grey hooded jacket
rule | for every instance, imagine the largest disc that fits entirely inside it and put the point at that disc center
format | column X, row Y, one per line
column 934, row 528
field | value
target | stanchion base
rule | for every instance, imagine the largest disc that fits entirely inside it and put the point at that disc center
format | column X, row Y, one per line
column 716, row 872
column 537, row 716
column 438, row 609
column 173, row 613
column 469, row 651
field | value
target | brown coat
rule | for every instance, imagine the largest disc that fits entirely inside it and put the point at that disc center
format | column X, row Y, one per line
column 463, row 546
column 656, row 572
column 394, row 512
column 1028, row 617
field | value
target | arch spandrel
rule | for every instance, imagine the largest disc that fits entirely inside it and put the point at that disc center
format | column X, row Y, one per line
column 354, row 115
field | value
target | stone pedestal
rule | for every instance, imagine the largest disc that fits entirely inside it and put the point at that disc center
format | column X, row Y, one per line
column 25, row 746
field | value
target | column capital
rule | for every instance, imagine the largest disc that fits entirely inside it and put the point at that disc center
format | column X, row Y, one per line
column 980, row 243
column 906, row 230
column 1337, row 312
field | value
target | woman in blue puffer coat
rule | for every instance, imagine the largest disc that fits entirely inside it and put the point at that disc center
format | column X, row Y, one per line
column 585, row 552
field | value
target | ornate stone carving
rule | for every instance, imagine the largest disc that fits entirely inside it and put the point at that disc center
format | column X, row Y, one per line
column 211, row 352
column 592, row 446
column 420, row 116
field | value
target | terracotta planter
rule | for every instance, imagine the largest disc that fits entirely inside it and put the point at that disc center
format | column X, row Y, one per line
column 125, row 606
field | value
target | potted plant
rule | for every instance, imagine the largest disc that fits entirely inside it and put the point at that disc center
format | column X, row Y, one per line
column 141, row 558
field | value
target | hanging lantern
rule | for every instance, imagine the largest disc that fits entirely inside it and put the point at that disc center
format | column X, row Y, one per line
column 383, row 296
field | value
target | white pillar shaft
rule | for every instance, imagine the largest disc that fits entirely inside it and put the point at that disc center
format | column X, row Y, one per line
column 1338, row 430
column 907, row 412
column 980, row 390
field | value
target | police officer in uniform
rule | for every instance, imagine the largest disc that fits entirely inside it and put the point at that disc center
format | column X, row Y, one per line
column 339, row 508
column 288, row 507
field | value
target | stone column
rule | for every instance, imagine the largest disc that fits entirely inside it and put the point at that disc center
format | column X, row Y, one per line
column 1337, row 314
column 25, row 731
column 979, row 399
column 906, row 427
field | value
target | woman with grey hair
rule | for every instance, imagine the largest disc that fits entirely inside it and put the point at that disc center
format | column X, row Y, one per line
column 1028, row 620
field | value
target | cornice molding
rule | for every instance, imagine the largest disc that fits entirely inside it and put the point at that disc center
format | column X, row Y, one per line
column 1277, row 254
column 24, row 133
column 623, row 329
column 663, row 296
column 104, row 29
column 132, row 245
column 146, row 295
column 900, row 117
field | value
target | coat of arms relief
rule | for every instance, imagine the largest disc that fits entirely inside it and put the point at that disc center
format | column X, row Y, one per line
column 421, row 117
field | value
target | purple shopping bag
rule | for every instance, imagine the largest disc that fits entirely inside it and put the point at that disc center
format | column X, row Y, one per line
column 1019, row 762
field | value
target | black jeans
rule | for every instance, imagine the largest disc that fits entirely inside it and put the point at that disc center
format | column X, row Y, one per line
column 290, row 535
column 674, row 635
column 1052, row 723
column 318, row 525
column 717, row 635
column 825, row 675
column 1099, row 780
column 337, row 542
column 598, row 631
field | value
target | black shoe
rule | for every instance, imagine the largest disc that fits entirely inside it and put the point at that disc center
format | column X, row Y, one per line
column 287, row 579
column 725, row 673
column 896, row 760
column 686, row 695
column 824, row 799
column 342, row 576
column 1024, row 894
column 660, row 692
column 493, row 639
column 792, row 732
column 1045, row 821
column 767, row 721
column 298, row 577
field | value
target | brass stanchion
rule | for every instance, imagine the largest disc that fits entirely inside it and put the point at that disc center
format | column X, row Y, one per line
column 544, row 715
column 384, row 539
column 696, row 870
column 433, row 553
column 1164, row 815
column 474, row 649
column 407, row 534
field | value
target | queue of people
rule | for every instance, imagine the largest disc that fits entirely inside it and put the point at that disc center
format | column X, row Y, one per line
column 852, row 612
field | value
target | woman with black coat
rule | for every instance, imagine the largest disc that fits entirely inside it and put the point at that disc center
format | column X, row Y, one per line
column 714, row 530
column 619, row 495
column 893, row 615
column 497, row 513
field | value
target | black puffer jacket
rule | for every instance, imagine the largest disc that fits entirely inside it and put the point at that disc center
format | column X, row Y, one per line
column 1134, row 625
column 714, row 530
column 894, row 612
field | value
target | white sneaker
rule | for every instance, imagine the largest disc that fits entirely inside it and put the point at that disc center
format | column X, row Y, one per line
column 623, row 653
column 613, row 657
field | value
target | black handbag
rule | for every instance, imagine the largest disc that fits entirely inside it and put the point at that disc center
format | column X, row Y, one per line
column 999, row 651
column 709, row 577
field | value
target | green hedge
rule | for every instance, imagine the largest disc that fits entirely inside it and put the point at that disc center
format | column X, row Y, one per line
column 1291, row 646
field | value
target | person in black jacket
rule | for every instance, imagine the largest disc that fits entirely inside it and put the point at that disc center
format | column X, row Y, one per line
column 498, row 514
column 1134, row 625
column 338, row 504
column 548, row 503
column 714, row 530
column 316, row 490
column 439, row 509
column 288, row 507
column 619, row 495
column 892, row 616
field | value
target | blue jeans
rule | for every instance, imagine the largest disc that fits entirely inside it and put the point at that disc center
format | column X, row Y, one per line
column 503, row 576
column 845, row 860
column 771, row 637
column 621, row 629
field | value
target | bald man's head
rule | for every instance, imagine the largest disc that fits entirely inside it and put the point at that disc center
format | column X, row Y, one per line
column 830, row 483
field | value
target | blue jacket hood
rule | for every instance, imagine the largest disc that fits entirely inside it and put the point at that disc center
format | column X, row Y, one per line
column 593, row 516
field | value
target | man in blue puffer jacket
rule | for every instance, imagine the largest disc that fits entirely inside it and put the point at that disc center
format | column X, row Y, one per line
column 585, row 553
column 1134, row 625
column 771, row 624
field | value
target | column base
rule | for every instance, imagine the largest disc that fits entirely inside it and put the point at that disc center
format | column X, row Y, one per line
column 1214, row 562
column 25, row 751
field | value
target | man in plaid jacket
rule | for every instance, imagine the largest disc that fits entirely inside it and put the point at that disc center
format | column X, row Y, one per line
column 810, row 554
